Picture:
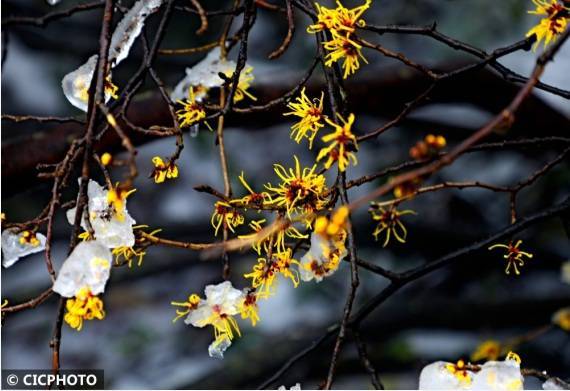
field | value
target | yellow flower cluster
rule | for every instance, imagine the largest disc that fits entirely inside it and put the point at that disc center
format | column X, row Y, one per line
column 459, row 370
column 191, row 111
column 84, row 306
column 162, row 170
column 555, row 16
column 311, row 114
column 301, row 191
column 29, row 238
column 265, row 272
column 116, row 198
column 341, row 24
column 342, row 144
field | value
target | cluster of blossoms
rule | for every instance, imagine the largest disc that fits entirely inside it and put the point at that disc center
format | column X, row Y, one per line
column 555, row 15
column 340, row 24
column 342, row 143
column 301, row 197
column 492, row 375
column 427, row 148
column 109, row 230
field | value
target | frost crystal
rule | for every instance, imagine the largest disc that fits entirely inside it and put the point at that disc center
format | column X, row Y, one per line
column 436, row 376
column 218, row 347
column 552, row 384
column 89, row 265
column 205, row 74
column 13, row 248
column 499, row 375
column 295, row 387
column 129, row 29
column 76, row 84
column 109, row 229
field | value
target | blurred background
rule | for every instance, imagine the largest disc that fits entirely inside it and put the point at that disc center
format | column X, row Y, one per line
column 444, row 315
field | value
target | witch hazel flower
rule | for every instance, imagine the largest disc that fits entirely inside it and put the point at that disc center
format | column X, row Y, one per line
column 16, row 245
column 222, row 302
column 82, row 277
column 108, row 215
column 328, row 247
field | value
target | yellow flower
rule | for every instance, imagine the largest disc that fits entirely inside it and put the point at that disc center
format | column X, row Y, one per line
column 302, row 191
column 192, row 111
column 487, row 350
column 226, row 215
column 427, row 148
column 189, row 305
column 311, row 114
column 348, row 19
column 255, row 225
column 326, row 18
column 343, row 47
column 561, row 318
column 514, row 256
column 84, row 306
column 513, row 356
column 459, row 370
column 106, row 159
column 128, row 254
column 389, row 222
column 110, row 88
column 245, row 79
column 253, row 198
column 342, row 143
column 263, row 277
column 340, row 18
column 265, row 272
column 29, row 238
column 163, row 170
column 276, row 240
column 116, row 197
column 552, row 25
column 249, row 308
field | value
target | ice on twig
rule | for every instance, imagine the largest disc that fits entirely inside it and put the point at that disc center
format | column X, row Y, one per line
column 113, row 228
column 76, row 83
column 129, row 29
column 14, row 248
column 89, row 265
